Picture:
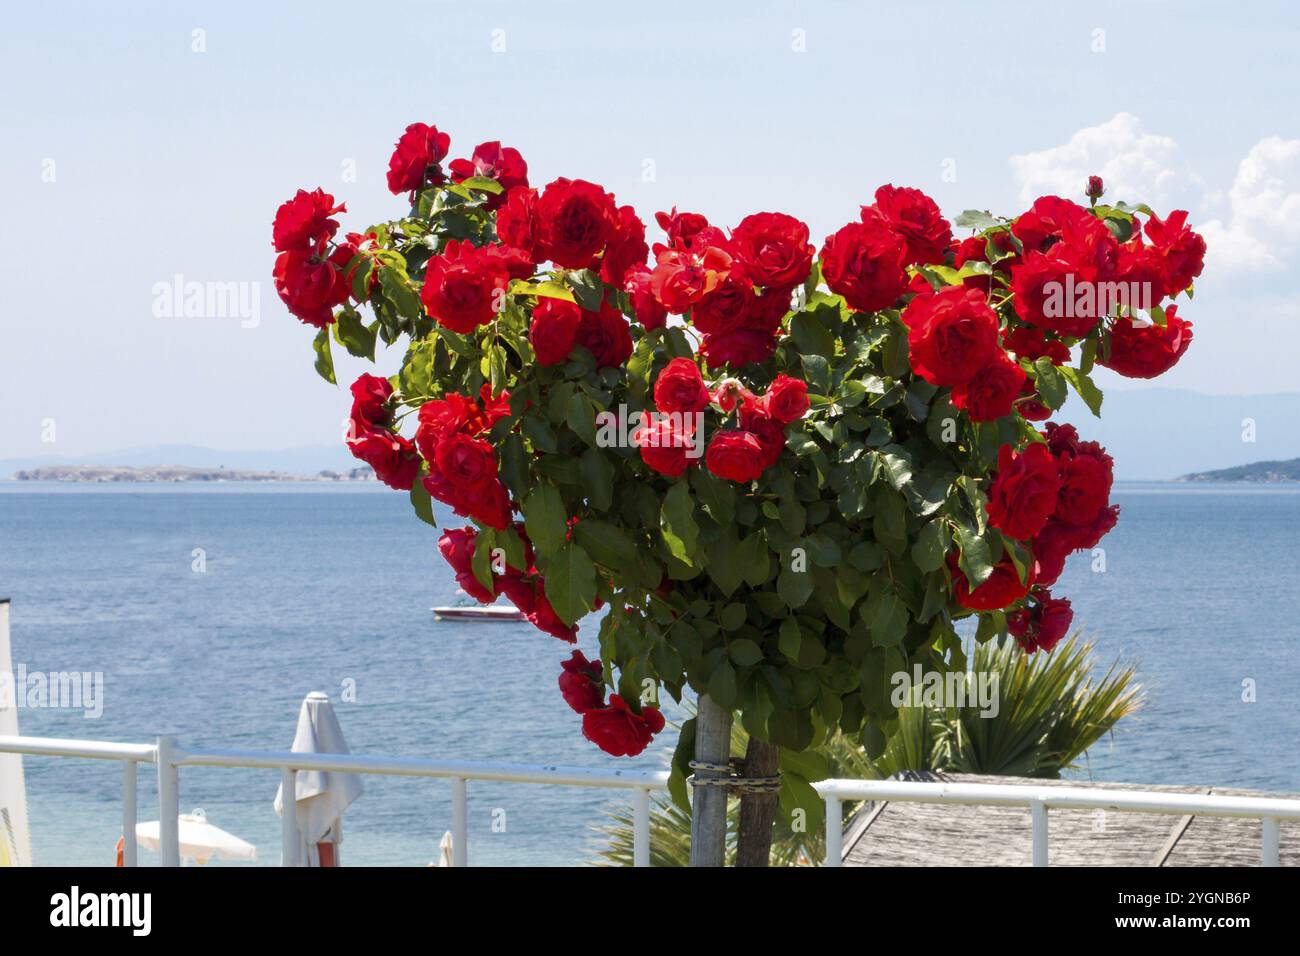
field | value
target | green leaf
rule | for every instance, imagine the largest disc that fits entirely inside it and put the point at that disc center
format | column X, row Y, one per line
column 716, row 496
column 743, row 651
column 811, row 336
column 397, row 289
column 571, row 583
column 974, row 558
column 597, row 478
column 324, row 360
column 422, row 503
column 977, row 220
column 351, row 333
column 545, row 518
column 930, row 547
column 1085, row 388
column 608, row 544
column 794, row 587
column 888, row 620
column 677, row 523
column 754, row 560
column 722, row 685
column 1051, row 386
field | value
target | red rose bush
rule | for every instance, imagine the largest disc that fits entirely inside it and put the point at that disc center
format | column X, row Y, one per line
column 789, row 469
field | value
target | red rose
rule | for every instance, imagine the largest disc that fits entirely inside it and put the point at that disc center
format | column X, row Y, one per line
column 605, row 334
column 1141, row 268
column 1000, row 589
column 682, row 277
column 1023, row 493
column 666, row 445
column 620, row 731
column 517, row 222
column 737, row 347
column 755, row 418
column 679, row 387
column 1058, row 540
column 728, row 306
column 1094, row 187
column 464, row 461
column 416, row 157
column 544, row 618
column 493, row 161
column 464, row 286
column 517, row 263
column 649, row 312
column 786, row 399
column 457, row 546
column 735, row 456
column 730, row 392
column 304, row 223
column 575, row 220
column 488, row 502
column 773, row 248
column 1181, row 250
column 627, row 248
column 1029, row 342
column 1086, row 476
column 582, row 683
column 392, row 457
column 1145, row 351
column 1038, row 228
column 1070, row 288
column 992, row 393
column 916, row 218
column 864, row 262
column 1043, row 626
column 553, row 329
column 311, row 286
column 952, row 334
column 689, row 230
column 370, row 395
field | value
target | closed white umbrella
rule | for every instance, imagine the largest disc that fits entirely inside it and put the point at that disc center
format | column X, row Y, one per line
column 200, row 840
column 445, row 846
column 321, row 796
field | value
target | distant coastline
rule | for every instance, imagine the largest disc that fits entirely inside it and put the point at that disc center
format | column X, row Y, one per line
column 117, row 474
column 1259, row 472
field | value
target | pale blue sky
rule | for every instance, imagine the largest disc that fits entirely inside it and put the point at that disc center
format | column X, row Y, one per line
column 171, row 161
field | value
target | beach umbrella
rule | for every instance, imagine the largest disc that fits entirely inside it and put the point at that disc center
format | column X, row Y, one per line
column 321, row 796
column 200, row 840
column 445, row 855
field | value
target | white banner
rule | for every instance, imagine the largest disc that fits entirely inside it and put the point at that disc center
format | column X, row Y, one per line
column 15, row 842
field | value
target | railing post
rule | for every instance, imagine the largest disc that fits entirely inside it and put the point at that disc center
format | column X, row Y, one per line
column 640, row 827
column 129, row 814
column 459, row 822
column 834, row 831
column 289, row 838
column 169, row 802
column 1038, row 814
column 1272, row 842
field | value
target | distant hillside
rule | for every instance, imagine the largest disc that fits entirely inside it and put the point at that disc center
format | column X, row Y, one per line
column 174, row 473
column 1267, row 472
column 307, row 460
column 1158, row 434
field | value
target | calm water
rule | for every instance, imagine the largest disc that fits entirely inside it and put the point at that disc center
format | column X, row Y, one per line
column 312, row 587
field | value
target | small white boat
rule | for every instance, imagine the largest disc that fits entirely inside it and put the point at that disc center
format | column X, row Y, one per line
column 492, row 612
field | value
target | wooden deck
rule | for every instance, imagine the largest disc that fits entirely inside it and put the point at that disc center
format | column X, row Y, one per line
column 928, row 834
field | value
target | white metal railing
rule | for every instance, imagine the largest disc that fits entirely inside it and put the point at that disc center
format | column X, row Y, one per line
column 169, row 757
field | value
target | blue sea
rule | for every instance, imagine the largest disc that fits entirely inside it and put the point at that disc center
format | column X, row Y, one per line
column 328, row 587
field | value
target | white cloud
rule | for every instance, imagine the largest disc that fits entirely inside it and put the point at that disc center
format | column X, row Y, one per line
column 1261, row 230
column 1136, row 166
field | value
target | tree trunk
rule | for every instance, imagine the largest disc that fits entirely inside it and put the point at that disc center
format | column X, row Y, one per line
column 757, row 810
column 709, row 804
